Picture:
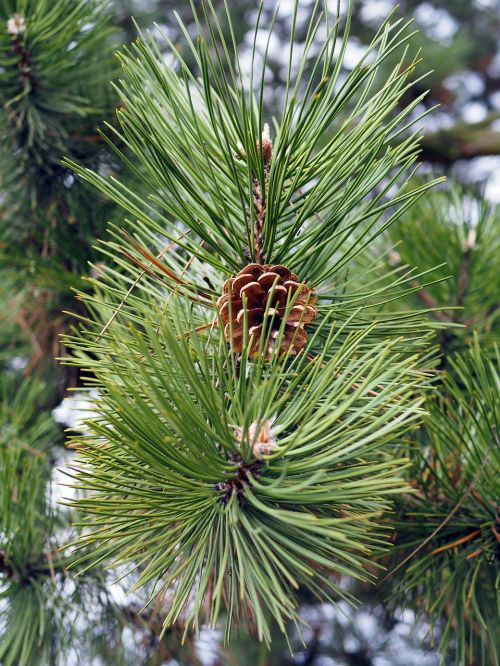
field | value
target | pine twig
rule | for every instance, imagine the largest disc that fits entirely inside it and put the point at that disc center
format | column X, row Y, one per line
column 134, row 285
column 448, row 517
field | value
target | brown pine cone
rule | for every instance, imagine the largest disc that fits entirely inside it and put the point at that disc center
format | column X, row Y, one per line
column 256, row 288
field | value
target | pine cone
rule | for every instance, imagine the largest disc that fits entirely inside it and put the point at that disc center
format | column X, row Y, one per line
column 256, row 288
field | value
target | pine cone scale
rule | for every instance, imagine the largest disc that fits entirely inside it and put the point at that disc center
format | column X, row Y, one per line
column 253, row 293
column 253, row 316
column 241, row 281
column 302, row 314
column 267, row 280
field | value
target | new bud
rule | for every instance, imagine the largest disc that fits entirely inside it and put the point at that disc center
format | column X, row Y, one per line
column 16, row 25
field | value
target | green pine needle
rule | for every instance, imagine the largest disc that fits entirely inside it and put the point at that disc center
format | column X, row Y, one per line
column 450, row 526
column 174, row 494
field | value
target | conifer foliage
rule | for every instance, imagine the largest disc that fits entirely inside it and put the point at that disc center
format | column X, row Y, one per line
column 452, row 520
column 236, row 456
column 287, row 339
column 55, row 66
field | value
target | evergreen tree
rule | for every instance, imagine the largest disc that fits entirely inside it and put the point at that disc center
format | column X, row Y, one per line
column 286, row 336
column 56, row 62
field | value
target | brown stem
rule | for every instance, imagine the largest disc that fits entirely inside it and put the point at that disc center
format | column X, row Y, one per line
column 5, row 567
column 259, row 204
column 24, row 63
column 463, row 141
column 431, row 303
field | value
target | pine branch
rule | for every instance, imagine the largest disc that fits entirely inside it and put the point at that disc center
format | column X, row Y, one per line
column 217, row 174
column 460, row 227
column 451, row 520
column 443, row 524
column 463, row 141
column 224, row 464
column 220, row 420
column 54, row 87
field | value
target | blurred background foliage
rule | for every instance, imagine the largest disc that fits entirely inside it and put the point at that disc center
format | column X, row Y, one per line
column 54, row 74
